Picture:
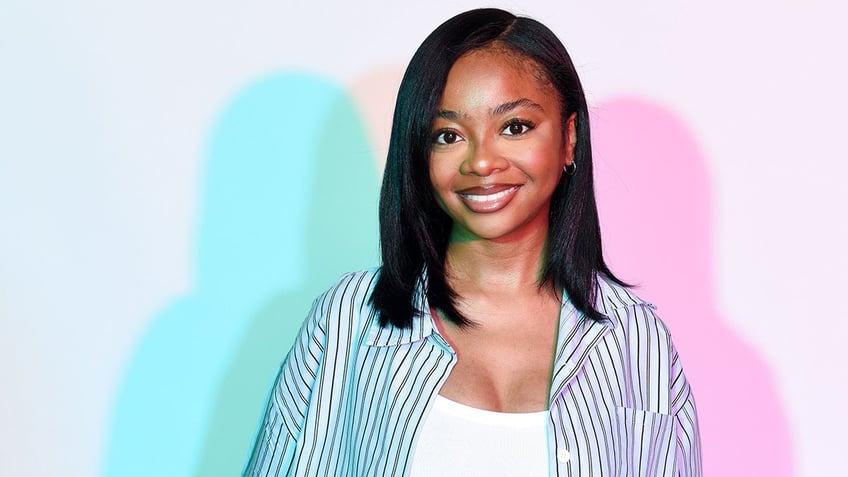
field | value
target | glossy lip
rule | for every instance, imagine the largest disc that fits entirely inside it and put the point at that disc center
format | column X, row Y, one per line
column 488, row 199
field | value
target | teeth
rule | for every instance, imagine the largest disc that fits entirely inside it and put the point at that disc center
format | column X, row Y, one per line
column 490, row 197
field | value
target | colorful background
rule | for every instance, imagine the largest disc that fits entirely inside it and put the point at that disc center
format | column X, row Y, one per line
column 178, row 181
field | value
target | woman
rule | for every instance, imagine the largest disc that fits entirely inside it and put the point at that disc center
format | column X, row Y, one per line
column 493, row 340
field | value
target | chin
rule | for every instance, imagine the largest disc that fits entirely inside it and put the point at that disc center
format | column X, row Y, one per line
column 501, row 234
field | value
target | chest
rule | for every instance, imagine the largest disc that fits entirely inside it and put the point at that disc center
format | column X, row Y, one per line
column 376, row 416
column 504, row 363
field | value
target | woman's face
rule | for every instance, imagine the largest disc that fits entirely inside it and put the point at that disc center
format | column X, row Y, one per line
column 498, row 147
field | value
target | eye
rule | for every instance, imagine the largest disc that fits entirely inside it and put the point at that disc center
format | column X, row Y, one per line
column 517, row 127
column 446, row 137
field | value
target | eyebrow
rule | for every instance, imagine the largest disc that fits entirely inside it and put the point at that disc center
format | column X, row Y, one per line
column 523, row 102
column 497, row 111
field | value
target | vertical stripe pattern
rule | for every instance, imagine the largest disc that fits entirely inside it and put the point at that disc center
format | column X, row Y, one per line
column 351, row 396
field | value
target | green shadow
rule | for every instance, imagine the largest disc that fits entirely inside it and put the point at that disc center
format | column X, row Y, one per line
column 341, row 235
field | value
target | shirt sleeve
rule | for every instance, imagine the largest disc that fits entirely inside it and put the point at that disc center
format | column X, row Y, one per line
column 287, row 403
column 688, row 456
column 660, row 406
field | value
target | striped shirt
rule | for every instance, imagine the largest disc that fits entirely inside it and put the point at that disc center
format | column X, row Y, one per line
column 351, row 396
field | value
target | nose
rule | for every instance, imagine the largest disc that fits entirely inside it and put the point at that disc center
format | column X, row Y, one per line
column 483, row 160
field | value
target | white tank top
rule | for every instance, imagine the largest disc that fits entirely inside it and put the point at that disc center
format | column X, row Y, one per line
column 459, row 440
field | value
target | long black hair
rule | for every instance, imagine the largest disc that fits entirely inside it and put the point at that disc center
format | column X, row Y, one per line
column 414, row 231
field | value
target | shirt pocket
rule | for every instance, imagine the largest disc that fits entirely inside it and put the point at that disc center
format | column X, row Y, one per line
column 646, row 443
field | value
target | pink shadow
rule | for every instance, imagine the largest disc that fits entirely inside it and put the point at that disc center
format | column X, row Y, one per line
column 655, row 203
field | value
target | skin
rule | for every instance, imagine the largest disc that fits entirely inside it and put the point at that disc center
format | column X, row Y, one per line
column 499, row 148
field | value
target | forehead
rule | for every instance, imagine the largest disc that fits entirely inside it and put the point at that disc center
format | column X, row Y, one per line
column 497, row 73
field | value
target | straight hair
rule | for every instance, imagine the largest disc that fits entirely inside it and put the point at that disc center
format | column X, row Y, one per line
column 415, row 231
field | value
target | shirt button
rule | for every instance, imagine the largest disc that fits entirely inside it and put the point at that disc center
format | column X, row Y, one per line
column 563, row 455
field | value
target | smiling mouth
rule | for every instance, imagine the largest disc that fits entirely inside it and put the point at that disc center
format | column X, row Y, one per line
column 489, row 198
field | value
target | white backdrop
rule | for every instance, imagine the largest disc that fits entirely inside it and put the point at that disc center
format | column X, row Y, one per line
column 107, row 111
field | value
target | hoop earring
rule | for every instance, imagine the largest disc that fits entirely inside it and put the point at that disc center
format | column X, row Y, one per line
column 570, row 169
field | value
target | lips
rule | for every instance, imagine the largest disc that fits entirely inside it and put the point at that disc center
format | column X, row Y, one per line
column 488, row 199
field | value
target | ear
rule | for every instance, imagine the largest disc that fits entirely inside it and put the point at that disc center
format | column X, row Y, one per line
column 570, row 139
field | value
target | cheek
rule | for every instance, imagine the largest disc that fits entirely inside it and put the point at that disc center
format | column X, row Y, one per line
column 439, row 177
column 439, row 184
column 546, row 161
column 545, row 154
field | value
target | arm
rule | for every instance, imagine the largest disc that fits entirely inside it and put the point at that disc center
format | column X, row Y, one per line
column 685, row 422
column 288, row 401
column 660, row 402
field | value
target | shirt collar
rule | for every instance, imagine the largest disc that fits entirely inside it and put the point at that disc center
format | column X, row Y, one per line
column 608, row 298
column 422, row 322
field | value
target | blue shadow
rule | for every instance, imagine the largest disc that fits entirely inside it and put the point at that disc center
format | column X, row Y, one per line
column 289, row 203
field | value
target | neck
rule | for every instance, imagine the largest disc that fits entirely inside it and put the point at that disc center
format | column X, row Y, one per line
column 502, row 266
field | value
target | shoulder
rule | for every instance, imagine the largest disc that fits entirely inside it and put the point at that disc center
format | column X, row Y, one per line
column 628, row 313
column 353, row 289
column 648, row 356
column 345, row 308
column 611, row 296
column 328, row 332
